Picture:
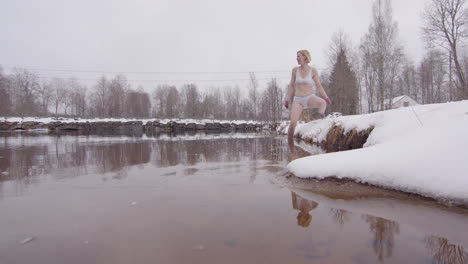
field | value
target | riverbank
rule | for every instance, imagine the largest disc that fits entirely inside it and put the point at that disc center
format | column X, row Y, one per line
column 113, row 125
column 420, row 150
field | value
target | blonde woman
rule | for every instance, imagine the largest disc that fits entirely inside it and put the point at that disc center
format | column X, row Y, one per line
column 302, row 80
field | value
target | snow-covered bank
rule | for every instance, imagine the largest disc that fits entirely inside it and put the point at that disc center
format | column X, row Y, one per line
column 421, row 149
column 47, row 120
column 110, row 125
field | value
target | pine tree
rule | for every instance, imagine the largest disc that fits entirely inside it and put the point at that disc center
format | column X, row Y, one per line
column 343, row 87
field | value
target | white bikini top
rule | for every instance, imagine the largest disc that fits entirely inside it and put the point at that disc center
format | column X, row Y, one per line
column 306, row 80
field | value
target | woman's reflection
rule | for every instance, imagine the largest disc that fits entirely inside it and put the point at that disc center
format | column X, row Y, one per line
column 296, row 152
column 304, row 206
column 292, row 149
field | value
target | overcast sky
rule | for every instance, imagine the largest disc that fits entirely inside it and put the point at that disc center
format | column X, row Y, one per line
column 186, row 36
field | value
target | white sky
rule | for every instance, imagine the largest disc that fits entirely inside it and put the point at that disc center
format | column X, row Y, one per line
column 185, row 36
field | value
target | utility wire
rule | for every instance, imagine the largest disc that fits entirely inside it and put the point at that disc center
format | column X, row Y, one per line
column 273, row 73
column 144, row 72
column 146, row 80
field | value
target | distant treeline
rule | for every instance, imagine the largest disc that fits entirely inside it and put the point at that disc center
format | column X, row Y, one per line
column 22, row 94
column 359, row 79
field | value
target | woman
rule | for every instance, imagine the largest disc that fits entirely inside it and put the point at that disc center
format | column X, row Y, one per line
column 302, row 80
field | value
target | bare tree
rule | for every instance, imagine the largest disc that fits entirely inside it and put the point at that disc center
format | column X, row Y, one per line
column 25, row 85
column 100, row 97
column 207, row 104
column 159, row 100
column 218, row 107
column 77, row 98
column 407, row 82
column 137, row 103
column 271, row 104
column 432, row 76
column 116, row 97
column 173, row 103
column 5, row 95
column 191, row 98
column 59, row 93
column 253, row 94
column 445, row 25
column 368, row 74
column 245, row 109
column 228, row 100
column 236, row 102
column 45, row 92
column 381, row 54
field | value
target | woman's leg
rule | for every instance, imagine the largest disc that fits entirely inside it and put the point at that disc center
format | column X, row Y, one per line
column 319, row 103
column 296, row 110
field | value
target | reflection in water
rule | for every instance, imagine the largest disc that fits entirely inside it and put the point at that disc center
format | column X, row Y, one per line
column 24, row 158
column 293, row 152
column 299, row 149
column 340, row 216
column 172, row 153
column 384, row 235
column 304, row 206
column 253, row 164
column 218, row 209
column 445, row 253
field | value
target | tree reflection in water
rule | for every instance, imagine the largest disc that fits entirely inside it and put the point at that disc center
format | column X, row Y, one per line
column 340, row 216
column 444, row 252
column 384, row 235
column 24, row 157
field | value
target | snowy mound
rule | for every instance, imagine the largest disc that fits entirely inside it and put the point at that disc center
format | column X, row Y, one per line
column 421, row 149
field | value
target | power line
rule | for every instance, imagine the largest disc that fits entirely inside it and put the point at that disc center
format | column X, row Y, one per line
column 161, row 81
column 144, row 72
column 70, row 71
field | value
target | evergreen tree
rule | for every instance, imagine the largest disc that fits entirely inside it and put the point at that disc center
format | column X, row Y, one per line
column 343, row 87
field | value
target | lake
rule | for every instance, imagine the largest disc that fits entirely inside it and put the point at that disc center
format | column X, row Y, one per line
column 203, row 198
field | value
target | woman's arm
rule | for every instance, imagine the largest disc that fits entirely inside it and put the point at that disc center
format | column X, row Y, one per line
column 291, row 88
column 319, row 86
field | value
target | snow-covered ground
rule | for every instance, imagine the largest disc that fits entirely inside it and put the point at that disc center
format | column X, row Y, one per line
column 421, row 149
column 46, row 120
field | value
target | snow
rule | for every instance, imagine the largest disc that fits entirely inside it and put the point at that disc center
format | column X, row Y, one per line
column 394, row 100
column 47, row 120
column 421, row 149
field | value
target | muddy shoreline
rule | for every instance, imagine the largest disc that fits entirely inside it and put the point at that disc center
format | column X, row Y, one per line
column 348, row 189
column 337, row 140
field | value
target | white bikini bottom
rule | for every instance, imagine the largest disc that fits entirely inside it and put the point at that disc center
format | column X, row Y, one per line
column 303, row 100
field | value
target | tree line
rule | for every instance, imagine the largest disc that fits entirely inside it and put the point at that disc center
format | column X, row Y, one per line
column 366, row 78
column 358, row 79
column 22, row 93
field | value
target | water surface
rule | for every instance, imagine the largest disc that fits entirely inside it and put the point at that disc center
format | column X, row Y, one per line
column 203, row 198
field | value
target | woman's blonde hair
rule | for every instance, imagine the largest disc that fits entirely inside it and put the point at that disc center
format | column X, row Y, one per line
column 306, row 54
column 304, row 219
